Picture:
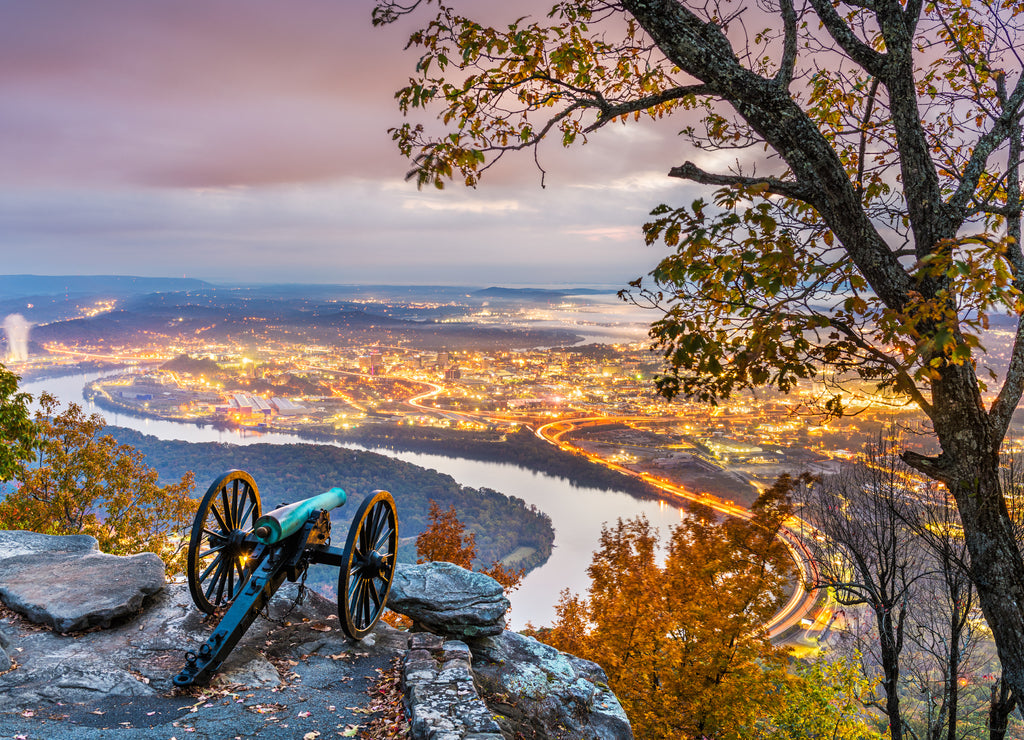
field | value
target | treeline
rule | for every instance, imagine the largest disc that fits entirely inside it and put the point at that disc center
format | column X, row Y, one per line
column 522, row 448
column 287, row 473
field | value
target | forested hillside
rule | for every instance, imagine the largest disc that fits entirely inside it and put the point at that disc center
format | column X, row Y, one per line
column 286, row 473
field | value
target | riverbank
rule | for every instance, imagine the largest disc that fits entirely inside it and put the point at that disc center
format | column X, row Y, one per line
column 504, row 527
column 521, row 447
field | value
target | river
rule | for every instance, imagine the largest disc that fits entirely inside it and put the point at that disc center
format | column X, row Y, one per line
column 576, row 513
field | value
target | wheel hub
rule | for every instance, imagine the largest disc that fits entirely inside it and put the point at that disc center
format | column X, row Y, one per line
column 374, row 565
column 236, row 543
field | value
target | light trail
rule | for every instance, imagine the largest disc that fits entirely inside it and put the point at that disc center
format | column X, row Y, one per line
column 96, row 356
column 801, row 602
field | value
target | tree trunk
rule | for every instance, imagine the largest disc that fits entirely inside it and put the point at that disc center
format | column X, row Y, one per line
column 890, row 654
column 1001, row 703
column 953, row 670
column 969, row 466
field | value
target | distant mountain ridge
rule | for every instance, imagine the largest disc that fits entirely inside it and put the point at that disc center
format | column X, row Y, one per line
column 11, row 285
column 544, row 293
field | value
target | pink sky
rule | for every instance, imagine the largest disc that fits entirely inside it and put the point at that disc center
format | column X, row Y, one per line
column 246, row 140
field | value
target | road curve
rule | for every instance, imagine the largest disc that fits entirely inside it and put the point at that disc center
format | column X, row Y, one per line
column 801, row 602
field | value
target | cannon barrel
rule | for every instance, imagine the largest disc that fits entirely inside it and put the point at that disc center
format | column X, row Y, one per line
column 275, row 525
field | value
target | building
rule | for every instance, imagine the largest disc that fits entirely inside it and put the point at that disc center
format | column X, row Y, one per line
column 287, row 408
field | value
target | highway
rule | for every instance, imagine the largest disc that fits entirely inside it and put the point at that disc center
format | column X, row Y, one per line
column 801, row 603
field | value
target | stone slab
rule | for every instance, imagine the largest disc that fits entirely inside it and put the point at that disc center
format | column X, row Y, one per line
column 70, row 591
column 14, row 543
column 448, row 600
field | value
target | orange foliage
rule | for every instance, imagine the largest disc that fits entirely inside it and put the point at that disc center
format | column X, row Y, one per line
column 84, row 483
column 683, row 644
column 445, row 540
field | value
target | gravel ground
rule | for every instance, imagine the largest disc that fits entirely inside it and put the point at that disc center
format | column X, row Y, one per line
column 293, row 676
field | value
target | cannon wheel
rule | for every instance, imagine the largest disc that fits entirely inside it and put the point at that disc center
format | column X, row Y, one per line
column 368, row 565
column 217, row 551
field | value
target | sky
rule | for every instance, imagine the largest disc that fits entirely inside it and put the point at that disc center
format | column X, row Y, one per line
column 247, row 141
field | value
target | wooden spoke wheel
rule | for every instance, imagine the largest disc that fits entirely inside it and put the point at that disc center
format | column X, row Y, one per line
column 218, row 554
column 368, row 566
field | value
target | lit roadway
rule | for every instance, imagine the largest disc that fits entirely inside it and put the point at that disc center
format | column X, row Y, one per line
column 801, row 602
column 96, row 356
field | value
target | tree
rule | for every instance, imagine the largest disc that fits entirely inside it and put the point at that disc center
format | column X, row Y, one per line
column 85, row 483
column 684, row 644
column 889, row 543
column 870, row 225
column 446, row 540
column 17, row 433
column 868, row 557
column 824, row 699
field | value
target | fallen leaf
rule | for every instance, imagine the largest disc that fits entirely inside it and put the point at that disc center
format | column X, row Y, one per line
column 304, row 714
column 350, row 731
column 311, row 735
column 96, row 711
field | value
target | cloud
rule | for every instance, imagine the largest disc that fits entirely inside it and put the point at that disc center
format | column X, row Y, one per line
column 342, row 231
column 191, row 93
column 247, row 140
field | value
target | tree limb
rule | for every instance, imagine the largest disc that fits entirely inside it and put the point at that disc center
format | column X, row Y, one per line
column 859, row 52
column 988, row 143
column 1009, row 396
column 785, row 74
column 787, row 188
column 934, row 467
column 609, row 111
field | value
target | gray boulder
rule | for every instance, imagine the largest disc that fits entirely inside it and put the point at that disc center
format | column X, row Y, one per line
column 5, row 661
column 14, row 543
column 448, row 600
column 68, row 585
column 547, row 693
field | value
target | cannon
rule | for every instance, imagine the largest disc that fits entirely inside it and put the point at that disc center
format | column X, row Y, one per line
column 238, row 557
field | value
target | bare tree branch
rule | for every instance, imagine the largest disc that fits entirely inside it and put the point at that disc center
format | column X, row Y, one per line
column 859, row 52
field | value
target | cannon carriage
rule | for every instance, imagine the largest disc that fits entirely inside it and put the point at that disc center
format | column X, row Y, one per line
column 238, row 557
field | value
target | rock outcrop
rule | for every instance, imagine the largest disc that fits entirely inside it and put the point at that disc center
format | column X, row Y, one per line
column 292, row 674
column 534, row 690
column 545, row 693
column 448, row 600
column 67, row 584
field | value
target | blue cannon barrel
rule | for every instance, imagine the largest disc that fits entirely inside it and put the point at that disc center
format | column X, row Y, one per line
column 275, row 525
